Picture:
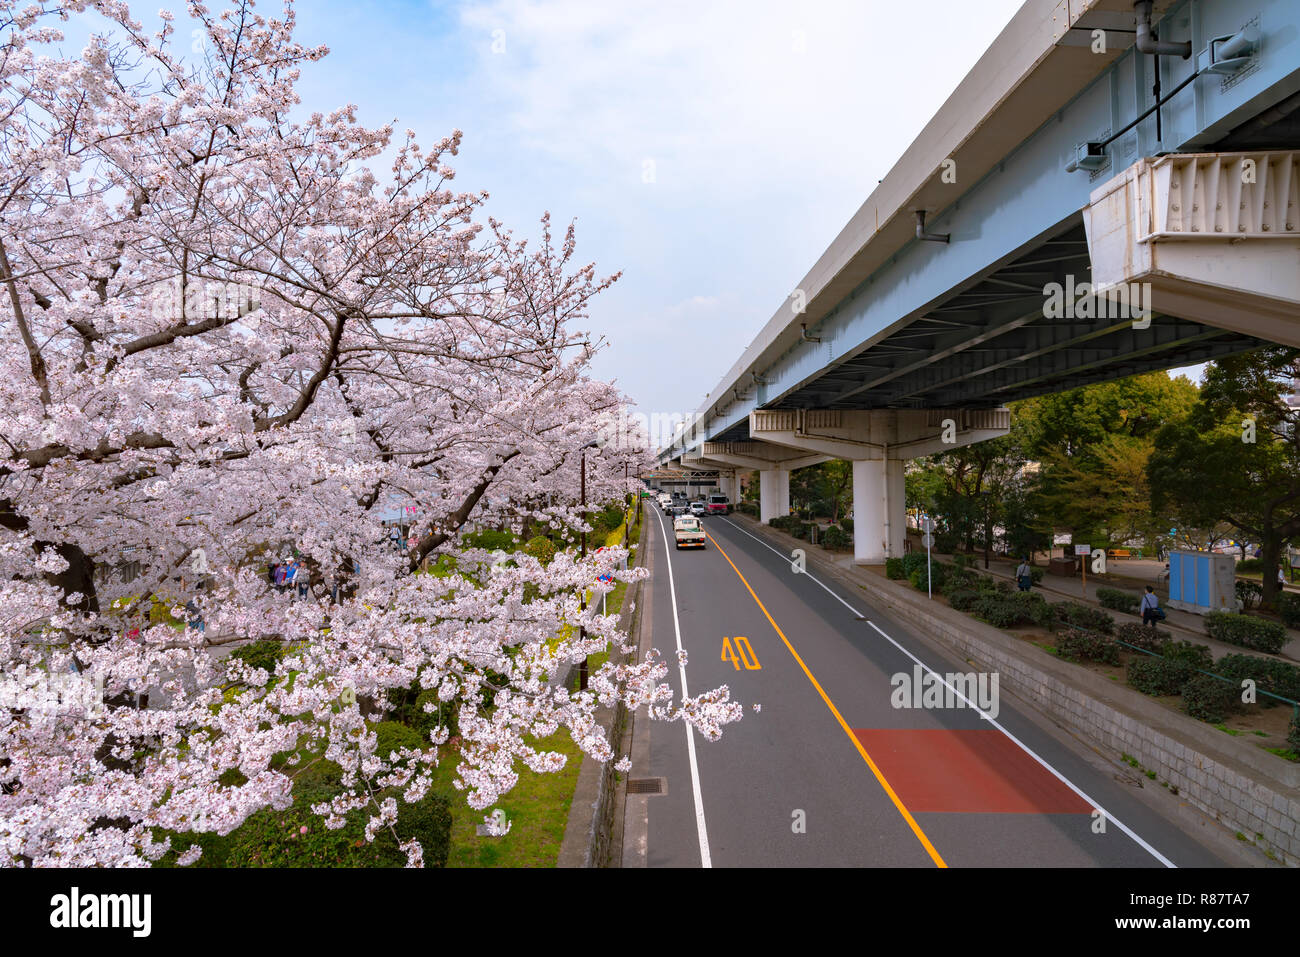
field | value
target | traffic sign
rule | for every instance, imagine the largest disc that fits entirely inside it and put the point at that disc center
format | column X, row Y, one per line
column 927, row 540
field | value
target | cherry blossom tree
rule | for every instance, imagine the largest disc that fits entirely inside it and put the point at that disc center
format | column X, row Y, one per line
column 224, row 336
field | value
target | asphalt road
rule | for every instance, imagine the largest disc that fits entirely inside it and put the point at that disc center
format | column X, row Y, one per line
column 828, row 771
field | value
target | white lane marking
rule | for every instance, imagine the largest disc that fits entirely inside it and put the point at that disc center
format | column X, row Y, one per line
column 705, row 859
column 983, row 714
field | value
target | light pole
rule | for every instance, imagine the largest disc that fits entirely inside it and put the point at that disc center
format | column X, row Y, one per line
column 582, row 630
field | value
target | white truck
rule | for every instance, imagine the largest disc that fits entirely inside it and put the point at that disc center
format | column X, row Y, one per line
column 687, row 532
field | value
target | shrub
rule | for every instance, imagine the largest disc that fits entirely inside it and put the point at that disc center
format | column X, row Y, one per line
column 1293, row 733
column 1250, row 565
column 1192, row 655
column 273, row 838
column 847, row 525
column 1078, row 615
column 923, row 582
column 894, row 568
column 1075, row 645
column 1246, row 631
column 963, row 599
column 490, row 539
column 997, row 611
column 391, row 735
column 1288, row 609
column 1118, row 600
column 260, row 654
column 1159, row 676
column 1036, row 574
column 1033, row 609
column 912, row 561
column 836, row 537
column 1209, row 699
column 1268, row 674
column 541, row 548
column 1248, row 592
column 1142, row 636
column 747, row 508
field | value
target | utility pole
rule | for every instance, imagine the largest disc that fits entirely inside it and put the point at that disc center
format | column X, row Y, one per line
column 582, row 631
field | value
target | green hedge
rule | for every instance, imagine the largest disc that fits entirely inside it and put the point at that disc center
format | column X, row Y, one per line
column 1192, row 655
column 894, row 568
column 836, row 538
column 1159, row 676
column 1250, row 565
column 1246, row 631
column 491, row 540
column 1268, row 674
column 1142, row 636
column 1288, row 609
column 912, row 561
column 964, row 599
column 1075, row 645
column 1077, row 615
column 747, row 508
column 1293, row 733
column 1003, row 610
column 1209, row 699
column 1118, row 600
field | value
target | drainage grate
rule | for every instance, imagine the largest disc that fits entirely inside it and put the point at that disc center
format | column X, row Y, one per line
column 647, row 786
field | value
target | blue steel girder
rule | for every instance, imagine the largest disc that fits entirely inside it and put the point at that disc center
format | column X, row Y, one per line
column 1024, row 207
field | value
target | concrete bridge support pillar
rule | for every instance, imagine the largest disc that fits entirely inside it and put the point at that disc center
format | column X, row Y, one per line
column 879, row 510
column 773, row 493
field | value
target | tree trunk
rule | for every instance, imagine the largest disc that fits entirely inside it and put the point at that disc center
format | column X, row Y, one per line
column 1268, row 560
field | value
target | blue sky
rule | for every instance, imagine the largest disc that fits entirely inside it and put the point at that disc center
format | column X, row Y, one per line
column 709, row 149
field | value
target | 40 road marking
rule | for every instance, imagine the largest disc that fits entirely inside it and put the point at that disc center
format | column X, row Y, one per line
column 902, row 809
column 746, row 653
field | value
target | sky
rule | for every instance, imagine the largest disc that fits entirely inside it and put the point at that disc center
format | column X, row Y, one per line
column 708, row 150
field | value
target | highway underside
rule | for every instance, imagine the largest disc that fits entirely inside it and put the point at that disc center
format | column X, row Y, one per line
column 828, row 772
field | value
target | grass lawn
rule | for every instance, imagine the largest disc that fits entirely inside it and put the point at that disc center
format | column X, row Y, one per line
column 537, row 807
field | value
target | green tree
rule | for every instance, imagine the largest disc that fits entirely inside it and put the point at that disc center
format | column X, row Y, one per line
column 1093, row 445
column 1236, row 458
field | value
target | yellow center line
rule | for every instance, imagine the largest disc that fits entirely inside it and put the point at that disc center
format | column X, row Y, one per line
column 902, row 809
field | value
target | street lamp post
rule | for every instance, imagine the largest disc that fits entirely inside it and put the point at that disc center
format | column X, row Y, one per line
column 582, row 630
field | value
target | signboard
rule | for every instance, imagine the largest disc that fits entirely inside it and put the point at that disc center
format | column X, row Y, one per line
column 1083, row 549
column 1063, row 538
column 927, row 524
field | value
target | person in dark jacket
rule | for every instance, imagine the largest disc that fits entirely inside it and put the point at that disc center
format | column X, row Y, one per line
column 1150, row 608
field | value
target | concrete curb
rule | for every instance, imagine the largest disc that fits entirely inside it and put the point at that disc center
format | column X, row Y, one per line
column 1238, row 785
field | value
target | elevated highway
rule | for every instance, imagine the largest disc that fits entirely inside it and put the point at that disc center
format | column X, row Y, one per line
column 1113, row 189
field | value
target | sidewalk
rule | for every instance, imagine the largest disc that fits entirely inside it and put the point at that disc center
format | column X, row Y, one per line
column 1183, row 625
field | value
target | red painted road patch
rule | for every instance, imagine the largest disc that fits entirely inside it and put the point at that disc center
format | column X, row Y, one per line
column 966, row 771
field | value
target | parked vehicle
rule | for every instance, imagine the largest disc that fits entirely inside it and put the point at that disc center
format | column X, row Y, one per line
column 719, row 504
column 687, row 532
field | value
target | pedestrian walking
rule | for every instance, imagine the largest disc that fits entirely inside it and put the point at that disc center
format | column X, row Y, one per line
column 1150, row 608
column 1024, row 577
